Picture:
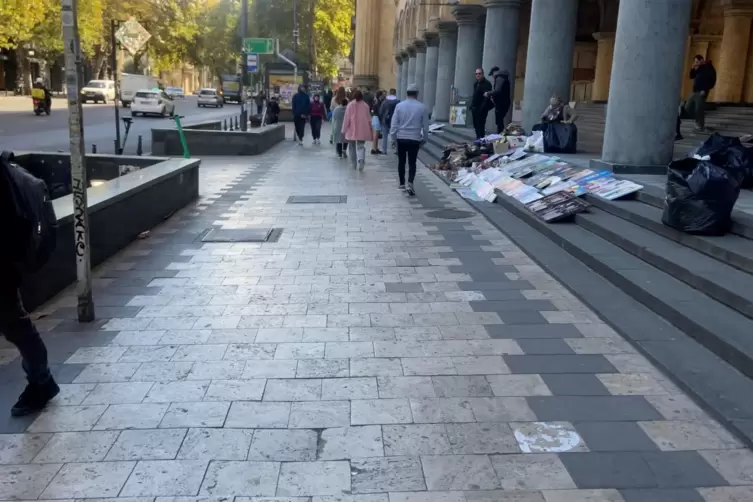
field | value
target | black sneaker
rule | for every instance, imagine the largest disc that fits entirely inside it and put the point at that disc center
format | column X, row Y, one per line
column 35, row 397
column 409, row 189
column 374, row 152
column 679, row 137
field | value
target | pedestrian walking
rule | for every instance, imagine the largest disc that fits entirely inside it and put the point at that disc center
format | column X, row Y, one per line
column 376, row 127
column 703, row 75
column 318, row 115
column 338, row 116
column 19, row 194
column 386, row 110
column 301, row 110
column 499, row 97
column 410, row 130
column 357, row 129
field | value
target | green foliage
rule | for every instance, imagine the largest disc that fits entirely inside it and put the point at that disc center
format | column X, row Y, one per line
column 217, row 44
column 18, row 19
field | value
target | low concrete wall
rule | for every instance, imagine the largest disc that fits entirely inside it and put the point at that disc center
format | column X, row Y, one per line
column 213, row 142
column 119, row 211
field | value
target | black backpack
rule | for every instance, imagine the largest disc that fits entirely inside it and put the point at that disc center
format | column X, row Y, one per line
column 33, row 209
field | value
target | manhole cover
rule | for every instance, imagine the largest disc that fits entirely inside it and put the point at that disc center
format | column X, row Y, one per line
column 242, row 235
column 450, row 214
column 317, row 199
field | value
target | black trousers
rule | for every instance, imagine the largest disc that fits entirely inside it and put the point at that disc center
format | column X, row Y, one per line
column 479, row 122
column 18, row 329
column 407, row 148
column 342, row 149
column 300, row 126
column 316, row 127
column 499, row 118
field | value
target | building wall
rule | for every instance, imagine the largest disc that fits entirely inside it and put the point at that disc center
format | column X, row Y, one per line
column 386, row 55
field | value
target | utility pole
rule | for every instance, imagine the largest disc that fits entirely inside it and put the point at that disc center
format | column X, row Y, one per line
column 114, row 61
column 295, row 28
column 244, row 65
column 312, row 4
column 73, row 68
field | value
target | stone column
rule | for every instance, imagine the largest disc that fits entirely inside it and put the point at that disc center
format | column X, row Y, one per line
column 430, row 71
column 549, row 65
column 501, row 42
column 468, row 57
column 603, row 70
column 398, row 78
column 645, row 84
column 731, row 72
column 411, row 64
column 404, row 75
column 448, row 45
column 420, row 67
column 366, row 62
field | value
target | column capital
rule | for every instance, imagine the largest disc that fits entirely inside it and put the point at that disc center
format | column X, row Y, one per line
column 447, row 27
column 411, row 51
column 468, row 14
column 420, row 46
column 432, row 39
column 404, row 55
column 603, row 36
column 502, row 4
column 398, row 59
column 737, row 8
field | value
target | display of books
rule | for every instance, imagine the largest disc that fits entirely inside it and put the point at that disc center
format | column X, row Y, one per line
column 557, row 206
column 615, row 189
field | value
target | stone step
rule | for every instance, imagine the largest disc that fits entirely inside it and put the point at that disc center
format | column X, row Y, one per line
column 725, row 284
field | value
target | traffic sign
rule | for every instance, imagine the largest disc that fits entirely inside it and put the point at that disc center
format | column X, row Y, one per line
column 252, row 62
column 259, row 45
column 132, row 36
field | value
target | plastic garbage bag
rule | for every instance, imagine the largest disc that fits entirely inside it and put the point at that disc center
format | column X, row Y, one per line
column 729, row 153
column 535, row 142
column 560, row 138
column 700, row 196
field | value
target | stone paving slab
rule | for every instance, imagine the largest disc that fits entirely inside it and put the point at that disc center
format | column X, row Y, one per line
column 372, row 354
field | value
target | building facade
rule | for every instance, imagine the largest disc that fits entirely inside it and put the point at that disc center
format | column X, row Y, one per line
column 633, row 54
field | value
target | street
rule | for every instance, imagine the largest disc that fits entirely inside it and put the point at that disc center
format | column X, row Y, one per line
column 20, row 129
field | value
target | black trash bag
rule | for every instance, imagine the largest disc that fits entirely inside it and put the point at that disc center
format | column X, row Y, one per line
column 558, row 137
column 700, row 196
column 728, row 152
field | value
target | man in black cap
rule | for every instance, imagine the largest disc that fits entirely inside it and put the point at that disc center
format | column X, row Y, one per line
column 479, row 104
column 499, row 96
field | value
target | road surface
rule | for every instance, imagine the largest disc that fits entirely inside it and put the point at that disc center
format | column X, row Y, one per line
column 20, row 129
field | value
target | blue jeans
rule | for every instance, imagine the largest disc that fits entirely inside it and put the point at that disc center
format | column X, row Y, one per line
column 385, row 134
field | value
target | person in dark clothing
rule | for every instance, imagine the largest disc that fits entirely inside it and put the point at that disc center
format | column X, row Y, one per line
column 499, row 96
column 39, row 84
column 273, row 110
column 327, row 99
column 318, row 114
column 479, row 103
column 301, row 110
column 15, row 322
column 703, row 75
column 259, row 101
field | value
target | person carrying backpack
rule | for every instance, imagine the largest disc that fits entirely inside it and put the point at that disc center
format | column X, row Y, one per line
column 386, row 110
column 30, row 225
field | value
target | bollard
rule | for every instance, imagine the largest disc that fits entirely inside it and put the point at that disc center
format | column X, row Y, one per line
column 139, row 149
column 94, row 148
column 117, row 147
column 231, row 124
column 237, row 124
column 224, row 125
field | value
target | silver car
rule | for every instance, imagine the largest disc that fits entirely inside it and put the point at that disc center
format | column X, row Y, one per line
column 210, row 97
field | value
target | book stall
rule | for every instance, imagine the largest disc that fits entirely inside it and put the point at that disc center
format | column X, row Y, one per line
column 508, row 165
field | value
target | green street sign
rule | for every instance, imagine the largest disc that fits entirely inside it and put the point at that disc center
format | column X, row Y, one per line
column 259, row 45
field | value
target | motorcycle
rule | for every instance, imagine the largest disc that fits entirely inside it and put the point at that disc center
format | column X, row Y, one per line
column 40, row 103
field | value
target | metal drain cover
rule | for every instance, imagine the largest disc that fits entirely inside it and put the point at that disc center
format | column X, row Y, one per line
column 242, row 235
column 317, row 199
column 450, row 214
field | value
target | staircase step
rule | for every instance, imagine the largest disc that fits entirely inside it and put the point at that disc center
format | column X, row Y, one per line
column 722, row 282
column 717, row 327
column 731, row 249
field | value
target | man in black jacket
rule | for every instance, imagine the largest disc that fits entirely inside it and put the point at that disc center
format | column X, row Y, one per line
column 500, row 96
column 15, row 322
column 703, row 75
column 479, row 104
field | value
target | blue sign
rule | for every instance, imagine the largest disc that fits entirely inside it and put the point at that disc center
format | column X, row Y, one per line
column 252, row 62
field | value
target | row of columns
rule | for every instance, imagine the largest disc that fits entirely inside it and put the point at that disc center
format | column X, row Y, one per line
column 639, row 68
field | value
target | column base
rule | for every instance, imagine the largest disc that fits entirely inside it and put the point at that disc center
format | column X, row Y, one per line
column 368, row 81
column 598, row 164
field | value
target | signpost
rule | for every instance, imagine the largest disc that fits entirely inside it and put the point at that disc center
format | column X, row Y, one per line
column 73, row 73
column 259, row 45
column 252, row 63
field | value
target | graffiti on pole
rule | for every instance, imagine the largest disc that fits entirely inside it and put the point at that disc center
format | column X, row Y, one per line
column 79, row 217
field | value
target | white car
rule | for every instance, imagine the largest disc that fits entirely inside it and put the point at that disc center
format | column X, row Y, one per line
column 210, row 97
column 98, row 90
column 152, row 102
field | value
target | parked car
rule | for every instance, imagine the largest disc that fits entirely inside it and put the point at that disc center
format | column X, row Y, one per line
column 210, row 97
column 98, row 90
column 152, row 102
column 175, row 92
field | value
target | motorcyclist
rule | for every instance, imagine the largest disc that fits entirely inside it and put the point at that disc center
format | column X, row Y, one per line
column 39, row 84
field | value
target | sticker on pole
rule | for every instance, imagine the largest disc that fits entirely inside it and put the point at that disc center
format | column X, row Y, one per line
column 252, row 63
column 132, row 36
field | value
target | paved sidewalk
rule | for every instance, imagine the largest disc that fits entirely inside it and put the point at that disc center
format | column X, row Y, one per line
column 374, row 353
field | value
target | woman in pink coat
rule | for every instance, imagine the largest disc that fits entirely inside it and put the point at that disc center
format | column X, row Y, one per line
column 357, row 129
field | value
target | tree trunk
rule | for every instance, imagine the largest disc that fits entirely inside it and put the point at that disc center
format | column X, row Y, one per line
column 23, row 77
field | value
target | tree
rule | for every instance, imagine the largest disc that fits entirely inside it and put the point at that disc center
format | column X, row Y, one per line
column 218, row 42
